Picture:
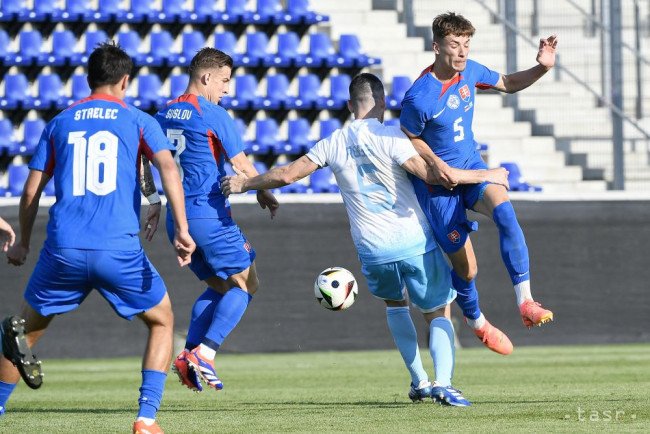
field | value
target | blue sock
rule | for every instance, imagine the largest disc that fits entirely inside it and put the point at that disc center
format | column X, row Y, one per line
column 227, row 315
column 151, row 391
column 5, row 392
column 513, row 244
column 202, row 314
column 466, row 296
column 443, row 352
column 401, row 327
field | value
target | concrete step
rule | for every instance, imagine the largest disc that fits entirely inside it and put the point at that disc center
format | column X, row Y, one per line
column 551, row 160
column 576, row 186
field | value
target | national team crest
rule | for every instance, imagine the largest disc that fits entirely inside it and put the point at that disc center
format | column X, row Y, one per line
column 248, row 247
column 453, row 102
column 464, row 92
column 454, row 236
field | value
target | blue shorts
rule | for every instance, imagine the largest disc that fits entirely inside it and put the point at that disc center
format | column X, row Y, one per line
column 426, row 277
column 446, row 209
column 63, row 278
column 222, row 250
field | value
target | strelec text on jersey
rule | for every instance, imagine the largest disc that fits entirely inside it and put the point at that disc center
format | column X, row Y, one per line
column 182, row 114
column 95, row 113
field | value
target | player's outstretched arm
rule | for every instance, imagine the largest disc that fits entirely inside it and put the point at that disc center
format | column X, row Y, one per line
column 149, row 190
column 265, row 198
column 28, row 208
column 274, row 178
column 171, row 180
column 418, row 167
column 517, row 81
column 442, row 173
column 7, row 235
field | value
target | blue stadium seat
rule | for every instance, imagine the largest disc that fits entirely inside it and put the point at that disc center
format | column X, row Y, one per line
column 32, row 134
column 288, row 44
column 277, row 86
column 50, row 91
column 6, row 136
column 148, row 91
column 75, row 10
column 4, row 43
column 328, row 126
column 308, row 93
column 320, row 51
column 93, row 38
column 49, row 189
column 256, row 49
column 299, row 12
column 9, row 10
column 516, row 180
column 236, row 12
column 63, row 43
column 130, row 42
column 112, row 10
column 177, row 84
column 245, row 93
column 400, row 85
column 42, row 10
column 243, row 133
column 160, row 51
column 260, row 167
column 266, row 136
column 206, row 12
column 16, row 177
column 339, row 93
column 322, row 181
column 267, row 11
column 350, row 54
column 393, row 122
column 30, row 43
column 80, row 88
column 298, row 141
column 192, row 42
column 226, row 41
column 16, row 91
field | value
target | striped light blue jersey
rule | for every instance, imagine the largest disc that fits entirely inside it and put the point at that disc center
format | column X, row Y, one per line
column 92, row 150
column 204, row 135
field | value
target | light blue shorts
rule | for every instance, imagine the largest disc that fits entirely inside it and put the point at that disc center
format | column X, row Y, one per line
column 63, row 278
column 425, row 277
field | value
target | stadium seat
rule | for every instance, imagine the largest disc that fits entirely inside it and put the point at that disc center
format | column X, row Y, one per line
column 16, row 177
column 308, row 93
column 6, row 136
column 42, row 10
column 4, row 43
column 11, row 9
column 299, row 12
column 226, row 41
column 30, row 43
column 298, row 141
column 339, row 93
column 288, row 44
column 177, row 84
column 161, row 44
column 80, row 87
column 235, row 13
column 267, row 11
column 63, row 46
column 192, row 42
column 400, row 85
column 277, row 86
column 228, row 169
column 245, row 93
column 93, row 38
column 322, row 181
column 49, row 189
column 260, row 167
column 50, row 91
column 148, row 92
column 32, row 134
column 328, row 126
column 516, row 180
column 16, row 91
column 266, row 136
column 243, row 133
column 256, row 49
column 112, row 10
column 130, row 42
column 350, row 54
column 393, row 122
column 320, row 51
column 74, row 10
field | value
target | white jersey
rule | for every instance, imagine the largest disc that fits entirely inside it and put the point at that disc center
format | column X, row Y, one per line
column 386, row 221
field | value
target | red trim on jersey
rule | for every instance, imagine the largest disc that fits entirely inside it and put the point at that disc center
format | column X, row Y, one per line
column 426, row 71
column 144, row 148
column 215, row 145
column 188, row 97
column 49, row 167
column 447, row 85
column 483, row 86
column 99, row 96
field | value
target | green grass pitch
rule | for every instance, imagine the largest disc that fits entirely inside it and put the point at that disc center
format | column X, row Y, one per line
column 536, row 389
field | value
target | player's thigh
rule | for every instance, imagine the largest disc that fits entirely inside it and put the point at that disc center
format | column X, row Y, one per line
column 159, row 315
column 463, row 261
column 59, row 281
column 428, row 280
column 245, row 280
column 493, row 196
column 384, row 281
column 127, row 280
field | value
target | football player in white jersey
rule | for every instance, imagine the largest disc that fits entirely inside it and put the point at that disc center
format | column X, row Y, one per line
column 372, row 163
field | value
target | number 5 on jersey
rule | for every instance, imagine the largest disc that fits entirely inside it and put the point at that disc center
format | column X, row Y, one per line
column 94, row 166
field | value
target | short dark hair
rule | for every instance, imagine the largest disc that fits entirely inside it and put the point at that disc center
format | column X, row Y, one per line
column 451, row 24
column 107, row 64
column 207, row 58
column 366, row 86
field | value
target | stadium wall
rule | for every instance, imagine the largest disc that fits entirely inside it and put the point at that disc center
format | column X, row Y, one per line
column 589, row 263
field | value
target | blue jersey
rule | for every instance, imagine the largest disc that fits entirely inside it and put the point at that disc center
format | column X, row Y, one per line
column 442, row 114
column 92, row 149
column 204, row 135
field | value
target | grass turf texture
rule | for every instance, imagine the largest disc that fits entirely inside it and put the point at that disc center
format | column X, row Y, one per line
column 536, row 389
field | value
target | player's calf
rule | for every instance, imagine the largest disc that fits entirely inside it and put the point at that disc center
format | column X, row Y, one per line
column 16, row 350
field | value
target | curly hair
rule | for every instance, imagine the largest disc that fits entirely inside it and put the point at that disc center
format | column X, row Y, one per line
column 451, row 24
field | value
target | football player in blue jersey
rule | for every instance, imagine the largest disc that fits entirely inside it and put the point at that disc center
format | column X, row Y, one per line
column 205, row 136
column 7, row 235
column 437, row 114
column 92, row 150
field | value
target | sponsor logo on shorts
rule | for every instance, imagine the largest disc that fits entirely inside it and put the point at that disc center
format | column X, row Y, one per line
column 454, row 236
column 248, row 247
column 465, row 93
column 453, row 102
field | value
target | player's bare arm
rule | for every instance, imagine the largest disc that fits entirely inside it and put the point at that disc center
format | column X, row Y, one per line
column 149, row 190
column 517, row 81
column 274, row 178
column 442, row 173
column 28, row 208
column 7, row 235
column 418, row 167
column 171, row 180
column 265, row 198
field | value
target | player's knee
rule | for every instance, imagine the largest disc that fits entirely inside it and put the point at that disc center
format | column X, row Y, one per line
column 466, row 271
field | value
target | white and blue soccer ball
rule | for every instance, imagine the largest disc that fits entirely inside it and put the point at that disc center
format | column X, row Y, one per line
column 336, row 288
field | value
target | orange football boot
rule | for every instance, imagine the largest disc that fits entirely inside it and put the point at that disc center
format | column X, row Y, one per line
column 533, row 314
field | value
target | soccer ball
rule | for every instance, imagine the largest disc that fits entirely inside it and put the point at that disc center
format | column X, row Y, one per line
column 335, row 288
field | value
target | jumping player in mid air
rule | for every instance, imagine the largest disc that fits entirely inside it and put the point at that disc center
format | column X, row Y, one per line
column 437, row 114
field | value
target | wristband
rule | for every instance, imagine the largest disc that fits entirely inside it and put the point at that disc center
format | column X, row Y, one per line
column 153, row 198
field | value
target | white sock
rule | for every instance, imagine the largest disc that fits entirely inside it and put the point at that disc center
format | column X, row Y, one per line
column 207, row 351
column 476, row 323
column 522, row 291
column 146, row 420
